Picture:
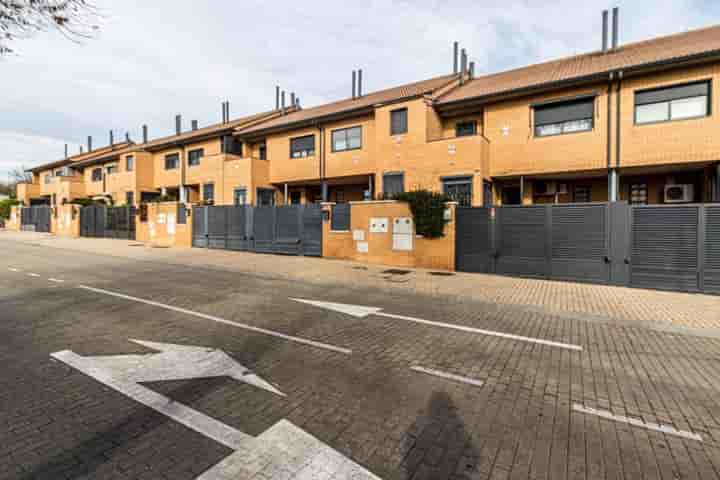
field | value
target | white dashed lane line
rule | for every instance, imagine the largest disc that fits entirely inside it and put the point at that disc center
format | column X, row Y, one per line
column 637, row 423
column 55, row 280
column 14, row 270
column 447, row 376
column 33, row 275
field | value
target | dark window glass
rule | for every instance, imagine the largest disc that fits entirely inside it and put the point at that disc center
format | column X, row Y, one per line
column 639, row 194
column 111, row 169
column 393, row 183
column 97, row 174
column 295, row 198
column 231, row 145
column 673, row 103
column 398, row 121
column 339, row 195
column 194, row 156
column 209, row 192
column 129, row 163
column 130, row 198
column 582, row 194
column 459, row 190
column 564, row 117
column 265, row 197
column 262, row 151
column 347, row 139
column 302, row 146
column 172, row 161
column 465, row 129
column 240, row 196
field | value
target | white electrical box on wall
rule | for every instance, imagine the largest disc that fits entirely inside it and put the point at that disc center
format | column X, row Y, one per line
column 378, row 225
column 403, row 233
column 359, row 235
column 362, row 247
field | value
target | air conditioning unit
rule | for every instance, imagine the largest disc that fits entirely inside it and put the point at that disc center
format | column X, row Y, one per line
column 679, row 193
column 544, row 188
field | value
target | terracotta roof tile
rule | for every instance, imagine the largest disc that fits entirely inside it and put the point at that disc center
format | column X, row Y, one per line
column 661, row 49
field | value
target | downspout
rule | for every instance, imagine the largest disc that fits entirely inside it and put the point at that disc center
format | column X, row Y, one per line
column 322, row 165
column 608, row 143
column 617, row 136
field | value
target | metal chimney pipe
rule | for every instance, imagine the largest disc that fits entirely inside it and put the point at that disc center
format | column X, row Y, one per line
column 112, row 140
column 455, row 57
column 615, row 26
column 297, row 102
column 292, row 99
column 359, row 84
column 127, row 137
column 145, row 133
column 81, row 149
column 178, row 124
column 194, row 124
column 227, row 111
column 89, row 144
column 353, row 83
column 471, row 71
column 604, row 30
column 66, row 150
column 282, row 101
column 277, row 97
column 463, row 65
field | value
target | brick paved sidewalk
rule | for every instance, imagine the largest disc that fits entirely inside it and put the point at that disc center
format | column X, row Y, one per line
column 617, row 303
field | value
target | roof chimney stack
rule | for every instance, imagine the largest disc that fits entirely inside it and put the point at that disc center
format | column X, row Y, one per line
column 277, row 97
column 455, row 57
column 145, row 133
column 178, row 124
column 66, row 151
column 615, row 27
column 463, row 65
column 81, row 150
column 194, row 124
column 127, row 137
column 297, row 102
column 471, row 70
column 282, row 101
column 292, row 99
column 89, row 144
column 604, row 31
column 112, row 140
column 354, row 83
column 359, row 84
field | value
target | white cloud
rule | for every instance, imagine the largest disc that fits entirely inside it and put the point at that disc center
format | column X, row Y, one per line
column 153, row 60
column 19, row 149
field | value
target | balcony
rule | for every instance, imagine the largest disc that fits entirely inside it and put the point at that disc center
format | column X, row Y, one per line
column 26, row 191
column 63, row 187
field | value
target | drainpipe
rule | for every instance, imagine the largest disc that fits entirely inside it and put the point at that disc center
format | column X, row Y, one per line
column 616, row 181
column 608, row 152
column 522, row 190
column 717, row 182
column 324, row 185
column 286, row 195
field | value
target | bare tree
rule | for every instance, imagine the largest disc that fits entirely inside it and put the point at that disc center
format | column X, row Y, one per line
column 19, row 175
column 75, row 19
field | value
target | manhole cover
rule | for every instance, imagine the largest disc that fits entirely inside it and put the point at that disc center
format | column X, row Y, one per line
column 396, row 271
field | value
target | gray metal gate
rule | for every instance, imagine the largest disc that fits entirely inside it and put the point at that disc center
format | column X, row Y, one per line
column 289, row 229
column 101, row 221
column 580, row 242
column 36, row 219
column 522, row 241
column 711, row 252
column 474, row 240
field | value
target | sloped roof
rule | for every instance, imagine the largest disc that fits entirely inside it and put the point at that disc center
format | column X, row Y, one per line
column 671, row 48
column 97, row 153
column 351, row 104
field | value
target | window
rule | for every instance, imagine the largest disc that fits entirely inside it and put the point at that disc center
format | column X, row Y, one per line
column 347, row 139
column 48, row 178
column 398, row 121
column 130, row 198
column 339, row 195
column 581, row 194
column 564, row 117
column 209, row 192
column 295, row 197
column 672, row 103
column 393, row 183
column 240, row 196
column 262, row 151
column 129, row 163
column 231, row 145
column 111, row 169
column 97, row 174
column 302, row 146
column 459, row 190
column 265, row 197
column 194, row 156
column 466, row 129
column 172, row 161
column 638, row 194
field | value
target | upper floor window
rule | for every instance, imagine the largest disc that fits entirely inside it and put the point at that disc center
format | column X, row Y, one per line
column 48, row 177
column 129, row 163
column 678, row 102
column 302, row 146
column 558, row 118
column 232, row 145
column 346, row 139
column 194, row 156
column 399, row 121
column 393, row 184
column 112, row 169
column 466, row 129
column 172, row 161
column 209, row 192
column 262, row 151
column 97, row 174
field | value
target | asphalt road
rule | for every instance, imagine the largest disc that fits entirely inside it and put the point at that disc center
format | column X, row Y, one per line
column 426, row 388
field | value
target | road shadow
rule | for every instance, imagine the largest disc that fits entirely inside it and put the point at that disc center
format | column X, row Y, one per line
column 437, row 444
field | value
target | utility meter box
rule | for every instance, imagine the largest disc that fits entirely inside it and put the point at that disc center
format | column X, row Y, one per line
column 378, row 225
column 403, row 233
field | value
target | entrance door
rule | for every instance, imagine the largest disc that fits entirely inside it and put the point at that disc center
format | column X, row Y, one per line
column 265, row 197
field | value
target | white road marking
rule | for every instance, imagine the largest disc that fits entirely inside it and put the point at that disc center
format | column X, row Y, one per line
column 13, row 269
column 361, row 312
column 281, row 448
column 56, row 280
column 637, row 423
column 448, row 376
column 251, row 328
column 33, row 275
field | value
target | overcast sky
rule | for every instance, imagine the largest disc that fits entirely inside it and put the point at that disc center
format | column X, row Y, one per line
column 153, row 60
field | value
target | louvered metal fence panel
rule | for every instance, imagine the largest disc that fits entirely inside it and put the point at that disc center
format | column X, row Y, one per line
column 312, row 230
column 217, row 227
column 340, row 219
column 199, row 227
column 264, row 229
column 237, row 235
column 521, row 240
column 473, row 240
column 288, row 225
column 712, row 249
column 579, row 248
column 664, row 247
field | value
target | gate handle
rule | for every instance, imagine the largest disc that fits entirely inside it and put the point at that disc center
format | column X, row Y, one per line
column 627, row 261
column 496, row 254
column 606, row 259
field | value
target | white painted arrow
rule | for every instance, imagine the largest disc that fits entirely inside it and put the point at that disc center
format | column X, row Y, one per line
column 360, row 311
column 283, row 447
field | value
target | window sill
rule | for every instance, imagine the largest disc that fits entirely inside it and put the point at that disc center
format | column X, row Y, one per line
column 661, row 122
column 540, row 137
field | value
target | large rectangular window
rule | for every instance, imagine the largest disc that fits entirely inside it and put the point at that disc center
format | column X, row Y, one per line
column 194, row 156
column 262, row 151
column 673, row 103
column 129, row 163
column 466, row 129
column 172, row 161
column 347, row 139
column 459, row 190
column 209, row 192
column 97, row 174
column 111, row 169
column 559, row 118
column 399, row 121
column 393, row 183
column 302, row 146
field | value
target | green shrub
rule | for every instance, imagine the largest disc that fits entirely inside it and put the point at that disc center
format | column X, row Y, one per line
column 428, row 210
column 5, row 207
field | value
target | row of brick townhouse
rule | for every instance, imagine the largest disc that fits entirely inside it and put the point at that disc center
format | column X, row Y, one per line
column 636, row 122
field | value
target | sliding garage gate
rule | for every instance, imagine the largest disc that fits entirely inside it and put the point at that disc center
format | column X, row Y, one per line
column 107, row 222
column 290, row 229
column 663, row 247
column 36, row 219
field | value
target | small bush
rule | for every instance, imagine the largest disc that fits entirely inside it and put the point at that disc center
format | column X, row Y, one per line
column 5, row 206
column 428, row 210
